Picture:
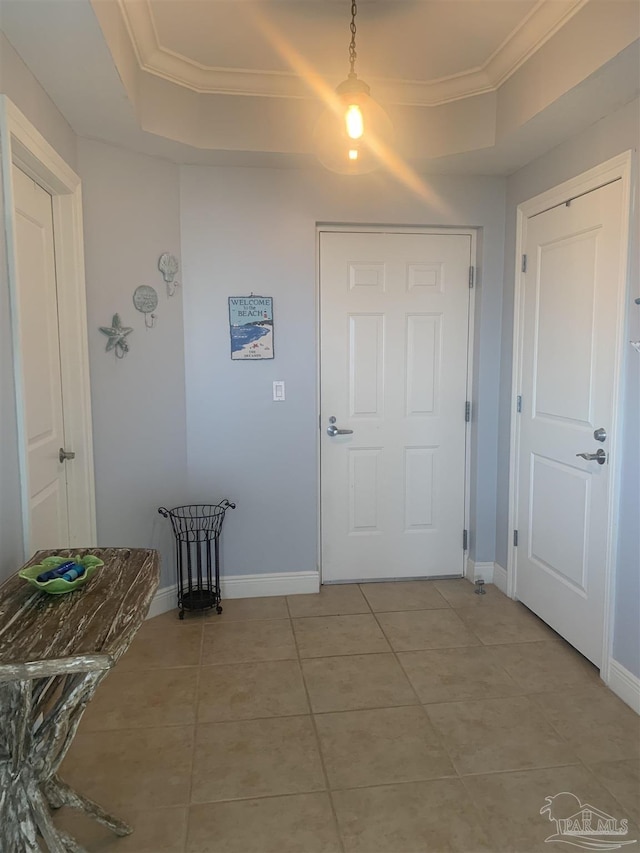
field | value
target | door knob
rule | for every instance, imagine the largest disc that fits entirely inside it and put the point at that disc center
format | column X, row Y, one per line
column 63, row 455
column 599, row 456
column 332, row 429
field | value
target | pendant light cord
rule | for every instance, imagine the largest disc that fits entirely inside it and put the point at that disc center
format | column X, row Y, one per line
column 352, row 46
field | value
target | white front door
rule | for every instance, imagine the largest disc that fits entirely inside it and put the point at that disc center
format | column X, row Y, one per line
column 41, row 375
column 394, row 340
column 571, row 298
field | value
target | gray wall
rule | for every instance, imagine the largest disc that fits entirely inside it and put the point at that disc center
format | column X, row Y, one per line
column 610, row 136
column 17, row 81
column 249, row 230
column 19, row 84
column 131, row 216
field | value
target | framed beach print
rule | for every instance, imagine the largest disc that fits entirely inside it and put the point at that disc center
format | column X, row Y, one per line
column 251, row 327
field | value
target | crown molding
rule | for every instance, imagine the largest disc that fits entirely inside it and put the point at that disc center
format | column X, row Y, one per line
column 543, row 21
column 541, row 24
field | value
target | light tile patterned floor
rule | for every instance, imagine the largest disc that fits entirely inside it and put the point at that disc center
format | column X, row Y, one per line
column 382, row 718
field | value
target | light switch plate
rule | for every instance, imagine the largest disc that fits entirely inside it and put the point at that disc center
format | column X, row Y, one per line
column 278, row 391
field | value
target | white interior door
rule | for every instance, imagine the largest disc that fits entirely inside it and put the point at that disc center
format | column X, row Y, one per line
column 394, row 340
column 571, row 300
column 41, row 373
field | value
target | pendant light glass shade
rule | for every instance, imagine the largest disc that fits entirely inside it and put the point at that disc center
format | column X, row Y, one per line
column 353, row 131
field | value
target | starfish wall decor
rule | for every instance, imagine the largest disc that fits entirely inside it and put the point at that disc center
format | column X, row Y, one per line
column 117, row 334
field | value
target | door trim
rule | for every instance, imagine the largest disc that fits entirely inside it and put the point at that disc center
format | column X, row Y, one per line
column 618, row 168
column 469, row 427
column 22, row 145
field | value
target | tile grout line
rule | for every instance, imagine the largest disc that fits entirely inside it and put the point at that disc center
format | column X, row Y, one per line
column 211, row 624
column 316, row 735
column 255, row 797
column 193, row 744
column 520, row 770
column 341, row 789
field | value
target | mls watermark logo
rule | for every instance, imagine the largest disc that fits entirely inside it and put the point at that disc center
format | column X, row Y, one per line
column 582, row 825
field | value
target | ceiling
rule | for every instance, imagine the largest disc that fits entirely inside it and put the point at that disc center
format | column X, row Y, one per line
column 470, row 85
column 433, row 35
column 410, row 49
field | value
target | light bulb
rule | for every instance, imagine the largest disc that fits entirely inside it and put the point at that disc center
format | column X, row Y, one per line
column 353, row 131
column 354, row 121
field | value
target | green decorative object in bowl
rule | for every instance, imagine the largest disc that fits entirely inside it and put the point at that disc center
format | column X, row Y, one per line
column 58, row 586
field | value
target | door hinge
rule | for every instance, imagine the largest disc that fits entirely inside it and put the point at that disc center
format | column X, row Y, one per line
column 524, row 263
column 515, row 538
column 471, row 276
column 467, row 411
column 465, row 540
column 519, row 403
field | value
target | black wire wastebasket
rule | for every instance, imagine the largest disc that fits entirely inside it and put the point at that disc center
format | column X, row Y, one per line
column 197, row 528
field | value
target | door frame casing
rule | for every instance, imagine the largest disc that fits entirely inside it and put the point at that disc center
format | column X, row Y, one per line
column 324, row 227
column 617, row 168
column 22, row 145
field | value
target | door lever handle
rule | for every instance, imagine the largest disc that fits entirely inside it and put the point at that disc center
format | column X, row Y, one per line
column 599, row 456
column 65, row 454
column 332, row 430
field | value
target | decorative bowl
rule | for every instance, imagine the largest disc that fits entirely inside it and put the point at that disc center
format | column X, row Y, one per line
column 58, row 586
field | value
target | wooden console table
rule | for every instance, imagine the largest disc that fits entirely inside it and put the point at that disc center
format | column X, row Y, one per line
column 54, row 651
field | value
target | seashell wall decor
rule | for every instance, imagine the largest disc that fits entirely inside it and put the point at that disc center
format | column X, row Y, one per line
column 168, row 266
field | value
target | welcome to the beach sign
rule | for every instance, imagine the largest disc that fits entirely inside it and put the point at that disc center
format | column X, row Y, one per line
column 251, row 327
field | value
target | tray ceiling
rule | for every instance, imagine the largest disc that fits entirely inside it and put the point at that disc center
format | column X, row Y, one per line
column 475, row 86
column 416, row 52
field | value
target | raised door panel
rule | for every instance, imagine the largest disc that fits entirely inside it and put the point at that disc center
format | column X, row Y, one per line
column 420, row 488
column 364, row 490
column 423, row 365
column 366, row 365
column 565, row 304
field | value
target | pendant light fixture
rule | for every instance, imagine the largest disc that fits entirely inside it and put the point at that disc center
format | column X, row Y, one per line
column 354, row 130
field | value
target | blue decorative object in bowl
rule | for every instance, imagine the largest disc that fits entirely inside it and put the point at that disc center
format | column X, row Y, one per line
column 58, row 586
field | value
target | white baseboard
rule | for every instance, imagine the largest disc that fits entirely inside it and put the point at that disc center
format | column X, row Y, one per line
column 280, row 583
column 245, row 586
column 163, row 601
column 500, row 577
column 488, row 572
column 479, row 571
column 624, row 684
